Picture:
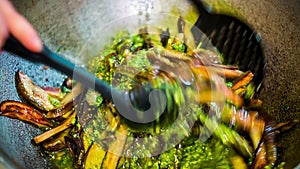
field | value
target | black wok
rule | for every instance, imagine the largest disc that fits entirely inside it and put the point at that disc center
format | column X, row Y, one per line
column 66, row 25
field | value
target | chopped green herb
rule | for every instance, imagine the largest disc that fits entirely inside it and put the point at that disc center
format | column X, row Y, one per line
column 64, row 89
column 54, row 101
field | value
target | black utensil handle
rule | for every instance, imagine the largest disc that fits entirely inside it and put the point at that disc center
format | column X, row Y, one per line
column 12, row 45
column 47, row 57
column 57, row 62
column 78, row 73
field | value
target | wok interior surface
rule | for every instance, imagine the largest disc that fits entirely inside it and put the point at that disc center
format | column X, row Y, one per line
column 66, row 25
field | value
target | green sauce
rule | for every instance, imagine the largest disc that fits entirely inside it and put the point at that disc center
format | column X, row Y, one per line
column 61, row 159
column 190, row 153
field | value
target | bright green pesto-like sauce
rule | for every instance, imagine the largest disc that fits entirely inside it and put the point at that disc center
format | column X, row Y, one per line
column 190, row 153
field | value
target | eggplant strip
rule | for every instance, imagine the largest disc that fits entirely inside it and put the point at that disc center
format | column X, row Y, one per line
column 260, row 160
column 86, row 113
column 201, row 71
column 248, row 121
column 63, row 126
column 173, row 54
column 228, row 73
column 53, row 92
column 223, row 72
column 176, row 68
column 233, row 98
column 266, row 153
column 244, row 81
column 76, row 148
column 255, row 103
column 21, row 111
column 226, row 135
column 115, row 149
column 57, row 142
column 281, row 127
column 65, row 108
column 59, row 112
column 94, row 156
column 251, row 122
column 32, row 93
column 240, row 91
column 158, row 60
column 269, row 140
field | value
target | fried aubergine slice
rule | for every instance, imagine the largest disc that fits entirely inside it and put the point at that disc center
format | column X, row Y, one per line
column 32, row 93
column 21, row 111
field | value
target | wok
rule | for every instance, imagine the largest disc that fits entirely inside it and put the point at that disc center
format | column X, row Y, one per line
column 66, row 25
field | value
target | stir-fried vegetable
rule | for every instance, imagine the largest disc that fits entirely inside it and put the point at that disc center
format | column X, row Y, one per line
column 32, row 93
column 211, row 118
column 24, row 112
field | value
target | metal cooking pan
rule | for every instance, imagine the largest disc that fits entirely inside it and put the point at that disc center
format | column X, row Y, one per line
column 66, row 25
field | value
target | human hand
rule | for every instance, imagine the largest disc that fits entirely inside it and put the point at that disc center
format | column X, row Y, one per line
column 11, row 22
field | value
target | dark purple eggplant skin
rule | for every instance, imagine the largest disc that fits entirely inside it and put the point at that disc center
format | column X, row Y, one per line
column 57, row 142
column 75, row 146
